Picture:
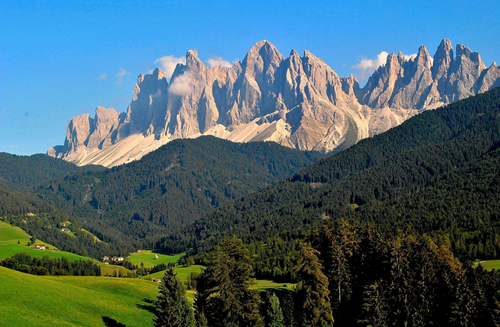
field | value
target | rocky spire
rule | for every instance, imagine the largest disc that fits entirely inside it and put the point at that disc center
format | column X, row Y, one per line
column 298, row 101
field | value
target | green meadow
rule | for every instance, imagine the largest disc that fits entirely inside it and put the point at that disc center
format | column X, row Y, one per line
column 182, row 272
column 10, row 235
column 149, row 258
column 27, row 300
column 489, row 265
column 263, row 284
column 14, row 235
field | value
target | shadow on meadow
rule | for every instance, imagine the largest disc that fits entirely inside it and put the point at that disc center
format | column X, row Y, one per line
column 150, row 306
column 110, row 322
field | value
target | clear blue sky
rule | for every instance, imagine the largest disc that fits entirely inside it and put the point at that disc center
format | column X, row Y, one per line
column 60, row 59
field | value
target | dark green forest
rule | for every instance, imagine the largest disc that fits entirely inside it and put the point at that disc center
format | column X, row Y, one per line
column 408, row 159
column 132, row 206
column 381, row 234
column 26, row 263
column 172, row 186
column 24, row 172
column 349, row 274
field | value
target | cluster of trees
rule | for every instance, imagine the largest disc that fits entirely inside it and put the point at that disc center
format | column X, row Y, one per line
column 350, row 274
column 43, row 226
column 26, row 172
column 26, row 263
column 172, row 186
column 276, row 259
column 141, row 270
column 16, row 203
column 400, row 278
column 419, row 154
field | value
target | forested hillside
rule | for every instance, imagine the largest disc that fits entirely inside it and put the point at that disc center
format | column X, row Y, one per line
column 15, row 203
column 23, row 172
column 376, row 171
column 172, row 186
column 42, row 221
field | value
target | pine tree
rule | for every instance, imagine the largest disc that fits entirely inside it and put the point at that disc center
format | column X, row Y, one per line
column 224, row 296
column 172, row 306
column 274, row 313
column 313, row 290
column 374, row 307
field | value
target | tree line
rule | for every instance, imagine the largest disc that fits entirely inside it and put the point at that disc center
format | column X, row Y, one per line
column 349, row 274
column 29, row 264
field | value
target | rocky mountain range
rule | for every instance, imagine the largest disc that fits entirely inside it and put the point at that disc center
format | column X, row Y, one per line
column 299, row 102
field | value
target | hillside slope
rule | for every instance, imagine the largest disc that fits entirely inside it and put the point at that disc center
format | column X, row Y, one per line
column 23, row 172
column 172, row 186
column 383, row 168
column 29, row 300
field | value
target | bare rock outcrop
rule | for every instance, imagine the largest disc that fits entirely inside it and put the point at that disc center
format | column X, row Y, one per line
column 422, row 83
column 297, row 101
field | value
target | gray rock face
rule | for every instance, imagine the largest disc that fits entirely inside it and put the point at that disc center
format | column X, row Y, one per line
column 297, row 101
column 422, row 83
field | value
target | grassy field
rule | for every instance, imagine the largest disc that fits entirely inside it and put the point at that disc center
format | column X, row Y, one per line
column 263, row 284
column 8, row 250
column 10, row 235
column 148, row 258
column 182, row 272
column 27, row 300
column 490, row 264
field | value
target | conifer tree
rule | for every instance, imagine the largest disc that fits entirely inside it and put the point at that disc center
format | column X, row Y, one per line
column 172, row 306
column 313, row 291
column 374, row 307
column 274, row 313
column 224, row 296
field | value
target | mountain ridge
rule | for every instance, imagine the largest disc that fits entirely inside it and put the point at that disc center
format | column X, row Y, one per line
column 299, row 102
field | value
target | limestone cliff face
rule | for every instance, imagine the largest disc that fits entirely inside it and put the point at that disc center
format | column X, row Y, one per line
column 297, row 101
column 422, row 83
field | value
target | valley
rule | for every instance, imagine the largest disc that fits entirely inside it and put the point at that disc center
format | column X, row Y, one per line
column 337, row 205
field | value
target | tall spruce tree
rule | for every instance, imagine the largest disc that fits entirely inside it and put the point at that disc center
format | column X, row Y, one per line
column 172, row 306
column 274, row 313
column 313, row 291
column 224, row 296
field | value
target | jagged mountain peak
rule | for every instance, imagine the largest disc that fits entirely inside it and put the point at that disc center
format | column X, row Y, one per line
column 463, row 50
column 299, row 102
column 262, row 56
column 423, row 57
column 294, row 53
column 442, row 60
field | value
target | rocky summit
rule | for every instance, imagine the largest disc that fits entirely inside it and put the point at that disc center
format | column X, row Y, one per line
column 299, row 102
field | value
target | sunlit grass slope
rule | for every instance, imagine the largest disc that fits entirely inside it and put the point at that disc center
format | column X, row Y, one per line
column 182, row 272
column 10, row 235
column 27, row 300
column 148, row 258
column 489, row 265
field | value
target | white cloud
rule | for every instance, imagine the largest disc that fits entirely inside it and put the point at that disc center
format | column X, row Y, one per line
column 168, row 64
column 408, row 57
column 102, row 77
column 218, row 61
column 181, row 85
column 119, row 76
column 368, row 66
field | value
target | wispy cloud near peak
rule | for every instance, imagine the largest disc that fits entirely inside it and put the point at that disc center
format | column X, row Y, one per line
column 168, row 64
column 119, row 76
column 218, row 61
